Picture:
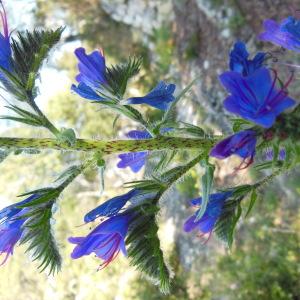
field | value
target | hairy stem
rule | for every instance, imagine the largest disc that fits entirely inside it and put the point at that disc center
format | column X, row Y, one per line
column 108, row 147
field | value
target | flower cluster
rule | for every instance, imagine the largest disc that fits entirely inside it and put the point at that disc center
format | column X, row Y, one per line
column 254, row 97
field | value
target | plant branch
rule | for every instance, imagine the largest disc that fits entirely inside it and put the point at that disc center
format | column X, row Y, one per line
column 108, row 147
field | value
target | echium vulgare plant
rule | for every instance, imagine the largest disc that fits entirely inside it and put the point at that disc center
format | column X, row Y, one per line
column 265, row 135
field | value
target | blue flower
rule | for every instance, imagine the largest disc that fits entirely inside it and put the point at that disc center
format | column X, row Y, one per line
column 111, row 207
column 286, row 34
column 240, row 63
column 11, row 228
column 213, row 211
column 134, row 160
column 92, row 74
column 160, row 97
column 255, row 97
column 5, row 49
column 242, row 144
column 106, row 240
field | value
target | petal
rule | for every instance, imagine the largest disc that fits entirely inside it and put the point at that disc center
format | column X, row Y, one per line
column 283, row 105
column 190, row 224
column 110, row 207
column 159, row 97
column 134, row 160
column 231, row 104
column 264, row 120
column 86, row 92
column 138, row 134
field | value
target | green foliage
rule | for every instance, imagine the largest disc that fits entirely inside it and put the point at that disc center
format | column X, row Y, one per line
column 144, row 249
column 169, row 116
column 206, row 185
column 29, row 50
column 227, row 221
column 125, row 110
column 24, row 116
column 119, row 75
column 38, row 232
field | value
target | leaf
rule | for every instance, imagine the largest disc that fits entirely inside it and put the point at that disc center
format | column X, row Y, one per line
column 206, row 186
column 238, row 124
column 125, row 110
column 22, row 120
column 38, row 234
column 165, row 158
column 144, row 249
column 67, row 135
column 69, row 172
column 169, row 115
column 192, row 130
column 253, row 199
column 24, row 116
column 225, row 225
column 146, row 185
column 118, row 76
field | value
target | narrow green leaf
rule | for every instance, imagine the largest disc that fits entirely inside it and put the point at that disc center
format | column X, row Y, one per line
column 144, row 250
column 253, row 199
column 170, row 113
column 206, row 186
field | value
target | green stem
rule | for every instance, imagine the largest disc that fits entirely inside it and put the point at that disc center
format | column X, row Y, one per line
column 47, row 123
column 108, row 147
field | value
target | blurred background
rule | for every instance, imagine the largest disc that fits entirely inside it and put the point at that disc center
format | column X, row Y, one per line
column 179, row 40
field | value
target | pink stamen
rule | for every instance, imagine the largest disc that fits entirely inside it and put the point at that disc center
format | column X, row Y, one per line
column 283, row 92
column 4, row 20
column 202, row 235
column 101, row 51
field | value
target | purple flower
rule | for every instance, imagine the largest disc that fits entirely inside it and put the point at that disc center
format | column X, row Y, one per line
column 240, row 63
column 255, row 97
column 242, row 144
column 106, row 240
column 160, row 97
column 92, row 74
column 111, row 207
column 5, row 49
column 134, row 160
column 213, row 211
column 285, row 34
column 11, row 228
